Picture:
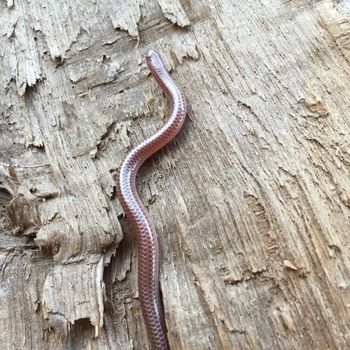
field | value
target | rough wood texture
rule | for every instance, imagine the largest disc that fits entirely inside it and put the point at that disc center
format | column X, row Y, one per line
column 251, row 202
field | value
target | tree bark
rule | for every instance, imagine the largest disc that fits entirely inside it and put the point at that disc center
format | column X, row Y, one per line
column 251, row 201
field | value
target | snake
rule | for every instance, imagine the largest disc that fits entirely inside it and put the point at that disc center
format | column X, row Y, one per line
column 140, row 220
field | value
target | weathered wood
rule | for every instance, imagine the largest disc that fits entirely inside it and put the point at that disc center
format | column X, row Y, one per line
column 251, row 202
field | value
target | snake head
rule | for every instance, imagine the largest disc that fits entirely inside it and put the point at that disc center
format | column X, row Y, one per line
column 153, row 60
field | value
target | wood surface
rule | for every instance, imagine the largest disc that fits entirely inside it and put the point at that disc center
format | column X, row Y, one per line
column 251, row 201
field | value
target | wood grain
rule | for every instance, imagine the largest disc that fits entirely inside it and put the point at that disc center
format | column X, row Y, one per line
column 251, row 202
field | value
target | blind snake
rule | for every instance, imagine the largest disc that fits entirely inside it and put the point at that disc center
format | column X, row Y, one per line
column 147, row 241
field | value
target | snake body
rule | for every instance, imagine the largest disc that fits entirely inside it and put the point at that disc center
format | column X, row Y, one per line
column 148, row 248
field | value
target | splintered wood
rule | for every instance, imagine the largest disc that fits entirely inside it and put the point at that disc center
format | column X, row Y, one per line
column 251, row 202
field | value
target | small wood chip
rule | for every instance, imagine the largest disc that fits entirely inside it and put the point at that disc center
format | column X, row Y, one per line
column 290, row 265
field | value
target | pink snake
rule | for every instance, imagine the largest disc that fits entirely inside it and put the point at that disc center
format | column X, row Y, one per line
column 148, row 249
